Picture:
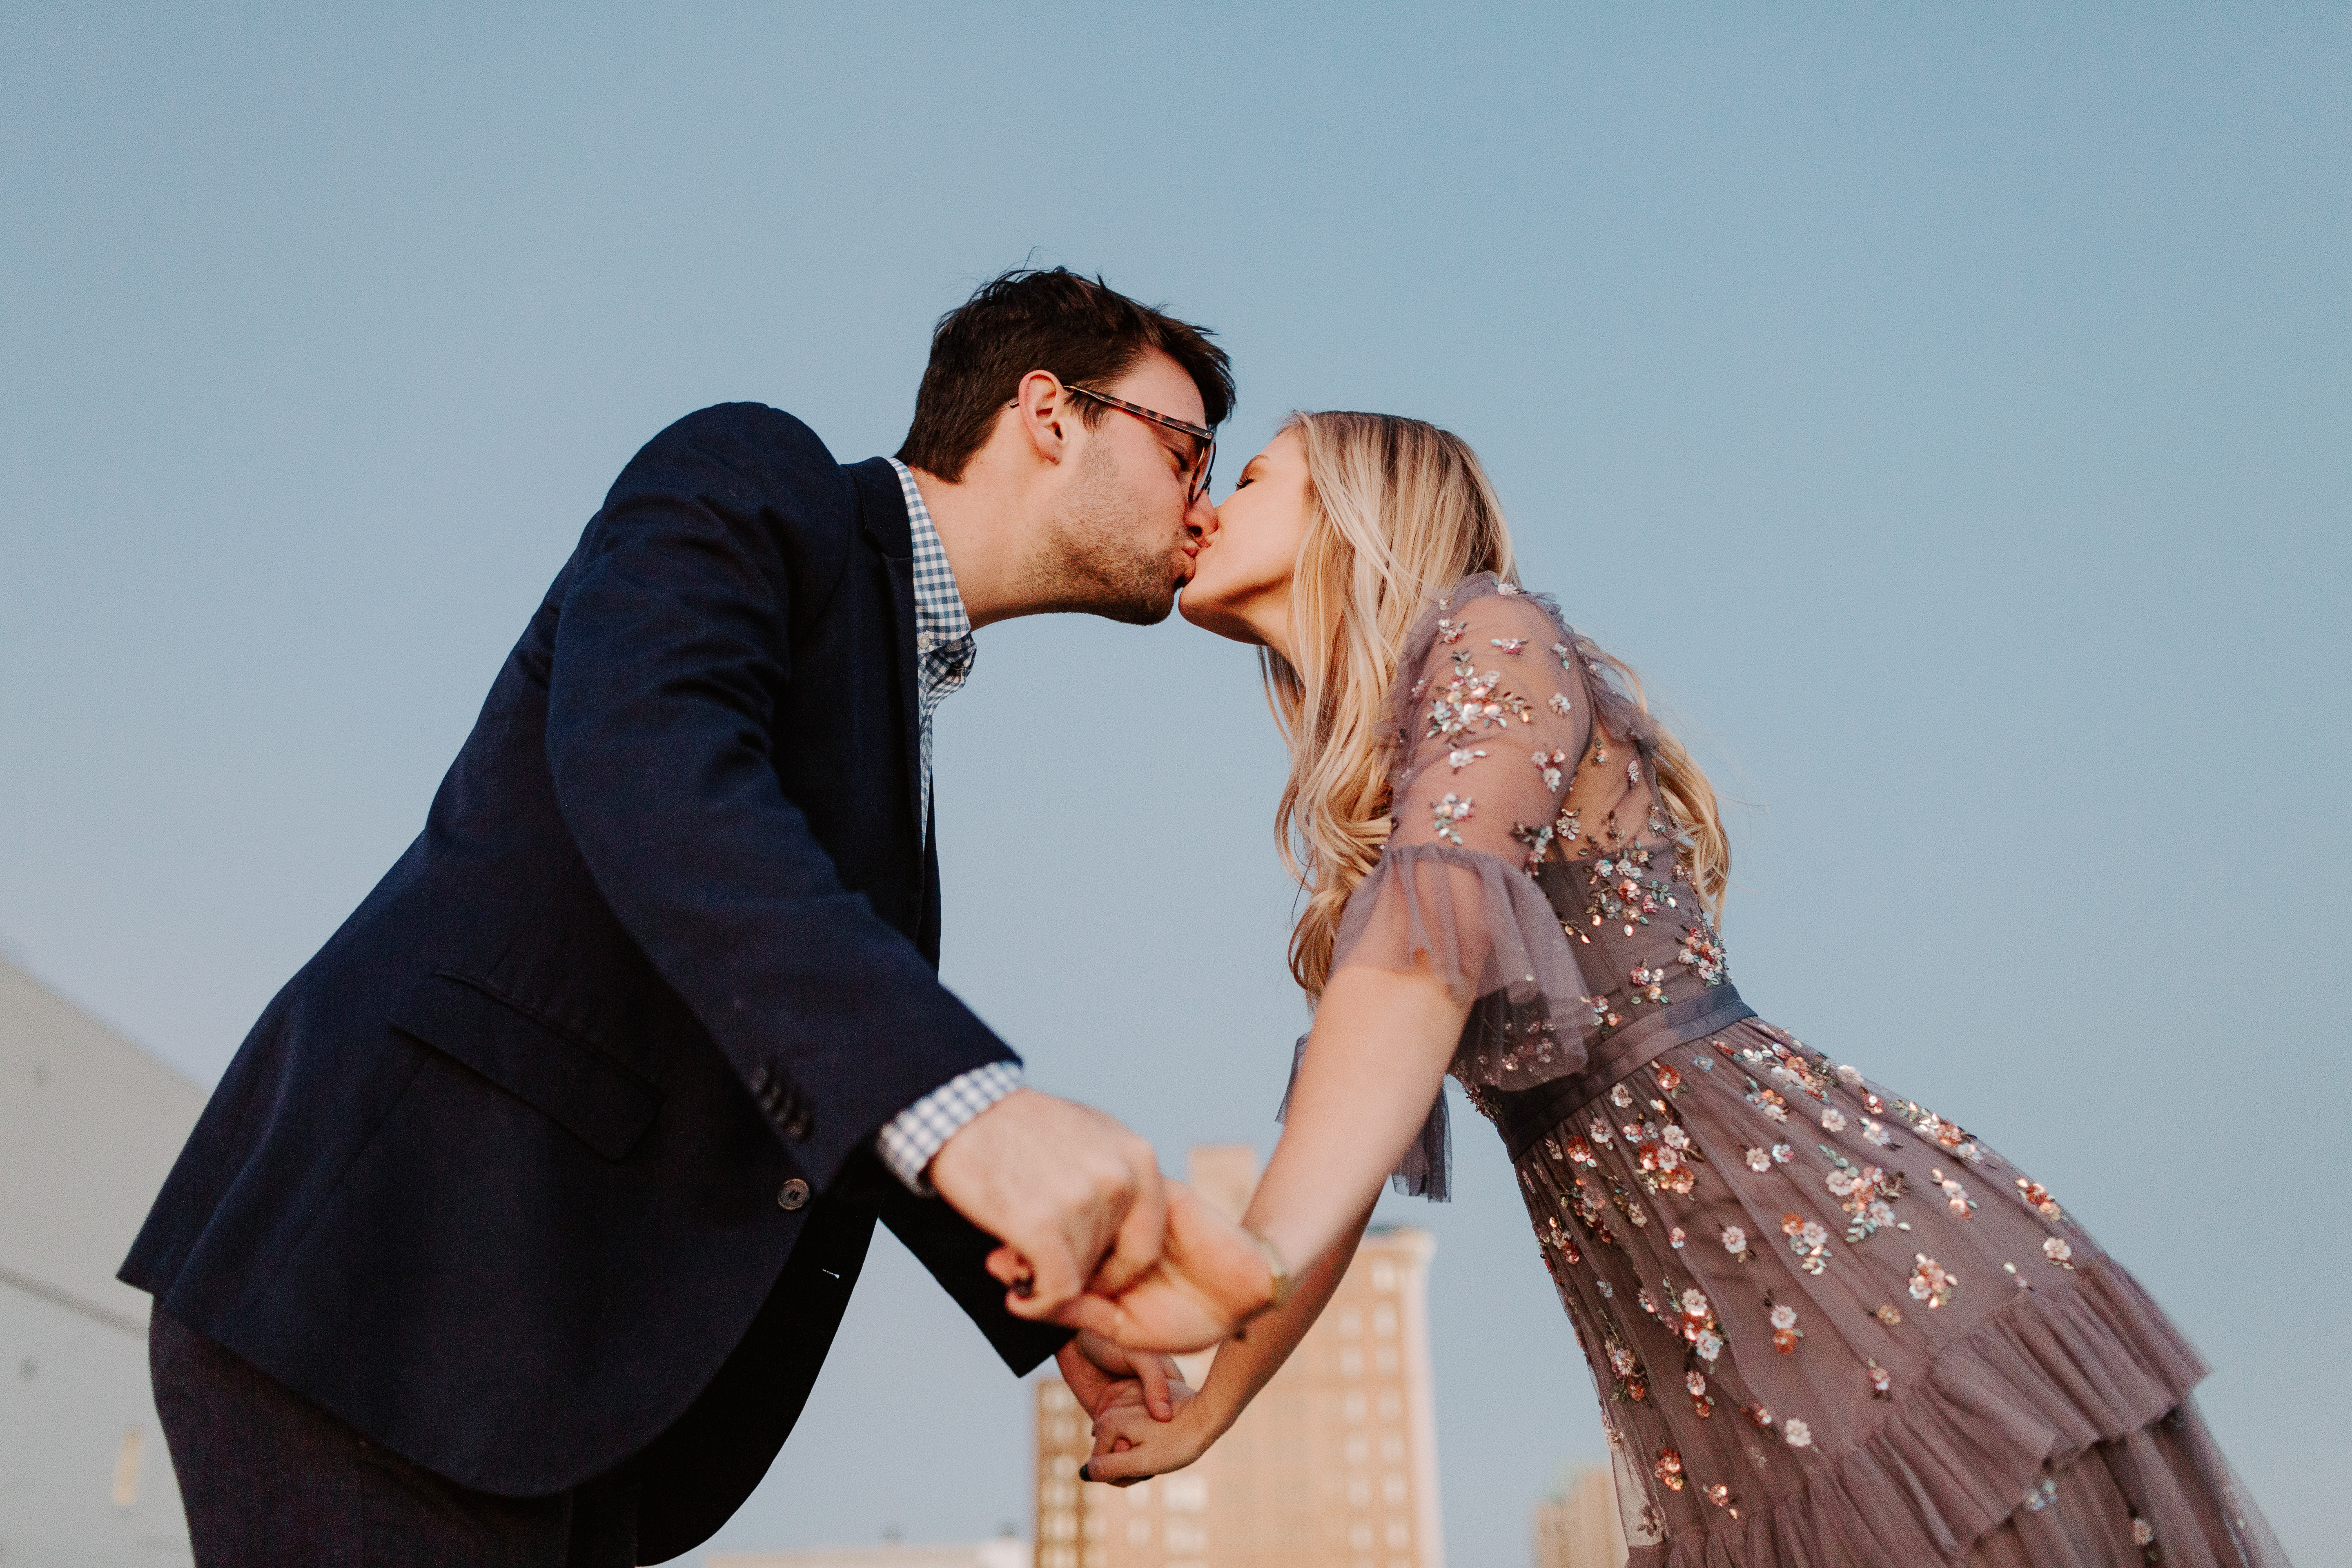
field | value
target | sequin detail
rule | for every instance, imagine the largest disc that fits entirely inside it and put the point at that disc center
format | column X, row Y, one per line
column 1931, row 1282
column 1473, row 701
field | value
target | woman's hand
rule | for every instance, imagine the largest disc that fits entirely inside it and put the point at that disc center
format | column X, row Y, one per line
column 1100, row 1372
column 1211, row 1279
column 1132, row 1443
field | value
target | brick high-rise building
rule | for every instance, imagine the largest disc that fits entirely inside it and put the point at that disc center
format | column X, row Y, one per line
column 1578, row 1526
column 1334, row 1466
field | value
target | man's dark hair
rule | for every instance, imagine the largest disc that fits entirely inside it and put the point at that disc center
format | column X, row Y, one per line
column 1082, row 331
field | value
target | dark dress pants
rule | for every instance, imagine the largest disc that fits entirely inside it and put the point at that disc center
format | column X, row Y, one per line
column 269, row 1481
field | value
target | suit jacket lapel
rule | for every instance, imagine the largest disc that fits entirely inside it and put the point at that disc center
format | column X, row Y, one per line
column 885, row 511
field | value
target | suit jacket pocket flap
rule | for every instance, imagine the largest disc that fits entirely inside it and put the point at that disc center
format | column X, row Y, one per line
column 603, row 1103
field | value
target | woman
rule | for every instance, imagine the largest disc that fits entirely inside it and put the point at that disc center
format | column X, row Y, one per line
column 1829, row 1327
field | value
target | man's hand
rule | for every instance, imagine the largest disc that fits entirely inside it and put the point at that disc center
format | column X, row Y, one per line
column 1101, row 1373
column 1071, row 1194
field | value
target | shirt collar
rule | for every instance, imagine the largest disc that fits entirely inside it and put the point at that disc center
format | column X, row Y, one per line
column 941, row 618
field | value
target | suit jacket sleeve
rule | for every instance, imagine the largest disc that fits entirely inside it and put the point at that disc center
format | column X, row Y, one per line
column 672, row 651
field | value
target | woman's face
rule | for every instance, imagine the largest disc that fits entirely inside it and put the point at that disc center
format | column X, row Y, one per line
column 1241, row 582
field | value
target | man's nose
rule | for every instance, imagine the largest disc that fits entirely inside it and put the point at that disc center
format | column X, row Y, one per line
column 1201, row 519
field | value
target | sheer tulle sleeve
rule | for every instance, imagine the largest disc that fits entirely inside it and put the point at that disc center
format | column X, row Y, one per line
column 1491, row 716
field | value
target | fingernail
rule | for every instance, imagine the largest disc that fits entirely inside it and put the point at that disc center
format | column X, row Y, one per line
column 1082, row 1474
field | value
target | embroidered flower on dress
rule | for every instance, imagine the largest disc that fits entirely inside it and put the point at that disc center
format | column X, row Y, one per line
column 1809, row 1239
column 1758, row 1161
column 1882, row 1381
column 1509, row 590
column 2056, row 1250
column 1547, row 764
column 1510, row 644
column 1832, row 1119
column 2037, row 1197
column 1622, row 888
column 1669, row 1468
column 1703, row 951
column 1888, row 1314
column 1676, row 1237
column 1580, row 1153
column 1785, row 1332
column 1876, row 1132
column 1735, row 1242
column 1472, row 701
column 1649, row 984
column 1865, row 1194
column 1931, row 1282
column 2143, row 1532
column 1462, row 756
column 1782, row 1153
column 1450, row 813
column 1848, row 1076
column 1557, row 703
column 1929, row 1125
column 1796, row 1433
column 1448, row 631
column 1720, row 1496
column 1956, row 1197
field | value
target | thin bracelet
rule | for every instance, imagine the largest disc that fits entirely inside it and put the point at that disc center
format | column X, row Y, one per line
column 1281, row 1271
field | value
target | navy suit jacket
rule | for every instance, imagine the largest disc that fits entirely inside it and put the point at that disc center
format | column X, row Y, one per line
column 501, row 1177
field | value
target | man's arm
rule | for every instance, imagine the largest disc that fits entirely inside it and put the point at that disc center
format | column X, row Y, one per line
column 672, row 656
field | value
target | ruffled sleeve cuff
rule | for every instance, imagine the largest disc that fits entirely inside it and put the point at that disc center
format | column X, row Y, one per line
column 1489, row 935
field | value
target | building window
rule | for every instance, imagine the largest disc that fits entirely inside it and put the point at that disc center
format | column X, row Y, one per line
column 1185, row 1493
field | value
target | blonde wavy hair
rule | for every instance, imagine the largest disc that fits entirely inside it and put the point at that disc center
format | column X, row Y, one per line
column 1398, row 512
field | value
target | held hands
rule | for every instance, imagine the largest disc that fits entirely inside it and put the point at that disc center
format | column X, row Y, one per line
column 1210, row 1278
column 1075, row 1199
column 1134, row 1444
column 1094, row 1238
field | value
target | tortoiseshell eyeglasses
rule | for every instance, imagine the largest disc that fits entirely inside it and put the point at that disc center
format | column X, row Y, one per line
column 1204, row 449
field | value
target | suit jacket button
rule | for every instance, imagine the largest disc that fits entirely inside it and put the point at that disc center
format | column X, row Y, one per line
column 793, row 1195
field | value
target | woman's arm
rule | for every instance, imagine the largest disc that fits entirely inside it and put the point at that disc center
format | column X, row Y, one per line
column 1133, row 1441
column 1374, row 1062
column 1374, row 1065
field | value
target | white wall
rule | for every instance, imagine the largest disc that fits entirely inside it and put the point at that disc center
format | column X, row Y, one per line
column 88, row 1125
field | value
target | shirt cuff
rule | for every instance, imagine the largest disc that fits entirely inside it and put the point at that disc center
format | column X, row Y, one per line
column 918, row 1133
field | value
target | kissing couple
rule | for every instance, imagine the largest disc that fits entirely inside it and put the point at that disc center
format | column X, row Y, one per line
column 518, row 1229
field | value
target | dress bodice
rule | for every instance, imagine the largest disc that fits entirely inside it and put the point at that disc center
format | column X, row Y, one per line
column 1534, row 861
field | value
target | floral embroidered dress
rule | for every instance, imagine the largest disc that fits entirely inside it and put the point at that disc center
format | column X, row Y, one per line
column 1829, row 1328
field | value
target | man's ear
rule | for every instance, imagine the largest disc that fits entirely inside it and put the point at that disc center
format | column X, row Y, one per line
column 1044, row 413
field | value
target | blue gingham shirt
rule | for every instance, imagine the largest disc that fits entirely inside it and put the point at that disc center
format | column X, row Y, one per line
column 944, row 651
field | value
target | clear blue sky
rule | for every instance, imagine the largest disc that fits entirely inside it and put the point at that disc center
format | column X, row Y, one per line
column 1947, row 408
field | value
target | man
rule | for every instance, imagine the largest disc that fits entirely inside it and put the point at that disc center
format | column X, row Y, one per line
column 521, row 1222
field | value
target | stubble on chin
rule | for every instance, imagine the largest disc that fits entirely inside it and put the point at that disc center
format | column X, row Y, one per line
column 1095, row 557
